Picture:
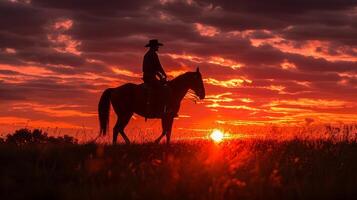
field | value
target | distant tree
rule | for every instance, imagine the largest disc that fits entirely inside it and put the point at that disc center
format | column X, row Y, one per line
column 26, row 136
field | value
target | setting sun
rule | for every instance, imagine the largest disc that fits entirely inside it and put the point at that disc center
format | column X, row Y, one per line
column 217, row 135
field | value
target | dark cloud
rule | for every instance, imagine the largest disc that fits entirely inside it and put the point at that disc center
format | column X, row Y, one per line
column 93, row 5
column 343, row 34
column 21, row 19
column 281, row 6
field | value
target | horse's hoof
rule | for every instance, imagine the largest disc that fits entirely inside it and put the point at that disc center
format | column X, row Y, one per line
column 157, row 142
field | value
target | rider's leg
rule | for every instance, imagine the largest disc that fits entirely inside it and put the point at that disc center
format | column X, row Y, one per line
column 149, row 100
column 149, row 96
column 169, row 104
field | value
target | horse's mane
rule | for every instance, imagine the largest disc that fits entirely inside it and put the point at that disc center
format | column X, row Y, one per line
column 182, row 78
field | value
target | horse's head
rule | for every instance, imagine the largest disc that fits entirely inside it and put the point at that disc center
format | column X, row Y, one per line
column 197, row 84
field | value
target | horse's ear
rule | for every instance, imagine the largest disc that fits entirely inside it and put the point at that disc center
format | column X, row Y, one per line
column 198, row 70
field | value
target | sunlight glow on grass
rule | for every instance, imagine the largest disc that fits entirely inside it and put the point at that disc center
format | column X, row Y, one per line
column 217, row 135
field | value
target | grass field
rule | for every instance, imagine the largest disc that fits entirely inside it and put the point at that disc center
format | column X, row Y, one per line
column 200, row 169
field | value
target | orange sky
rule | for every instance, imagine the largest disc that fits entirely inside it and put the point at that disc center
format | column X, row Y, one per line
column 280, row 64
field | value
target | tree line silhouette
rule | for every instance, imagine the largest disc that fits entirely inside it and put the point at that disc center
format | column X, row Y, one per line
column 37, row 136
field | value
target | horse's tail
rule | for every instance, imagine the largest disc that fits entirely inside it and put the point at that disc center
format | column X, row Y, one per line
column 104, row 110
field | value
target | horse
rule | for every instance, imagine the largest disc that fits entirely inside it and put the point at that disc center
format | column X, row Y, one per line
column 130, row 98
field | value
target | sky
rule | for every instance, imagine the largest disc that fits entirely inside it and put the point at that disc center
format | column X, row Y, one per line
column 263, row 62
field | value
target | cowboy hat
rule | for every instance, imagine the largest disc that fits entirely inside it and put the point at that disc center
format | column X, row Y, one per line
column 153, row 43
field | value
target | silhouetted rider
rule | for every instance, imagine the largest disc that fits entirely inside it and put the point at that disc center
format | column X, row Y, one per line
column 152, row 70
column 151, row 66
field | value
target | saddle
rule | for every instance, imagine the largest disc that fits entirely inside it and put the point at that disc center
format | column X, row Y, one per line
column 156, row 100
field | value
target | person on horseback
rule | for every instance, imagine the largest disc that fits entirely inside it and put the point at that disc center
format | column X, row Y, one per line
column 152, row 66
column 152, row 70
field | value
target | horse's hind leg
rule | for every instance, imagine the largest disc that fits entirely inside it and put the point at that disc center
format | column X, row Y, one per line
column 115, row 132
column 119, row 127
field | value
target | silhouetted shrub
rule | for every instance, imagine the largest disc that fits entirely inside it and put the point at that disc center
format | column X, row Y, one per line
column 37, row 136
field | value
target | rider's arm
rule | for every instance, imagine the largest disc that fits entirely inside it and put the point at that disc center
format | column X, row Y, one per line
column 160, row 70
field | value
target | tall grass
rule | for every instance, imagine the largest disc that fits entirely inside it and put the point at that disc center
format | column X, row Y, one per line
column 254, row 168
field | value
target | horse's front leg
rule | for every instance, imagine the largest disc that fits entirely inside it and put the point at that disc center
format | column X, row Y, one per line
column 168, row 129
column 166, row 124
column 163, row 127
column 157, row 141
